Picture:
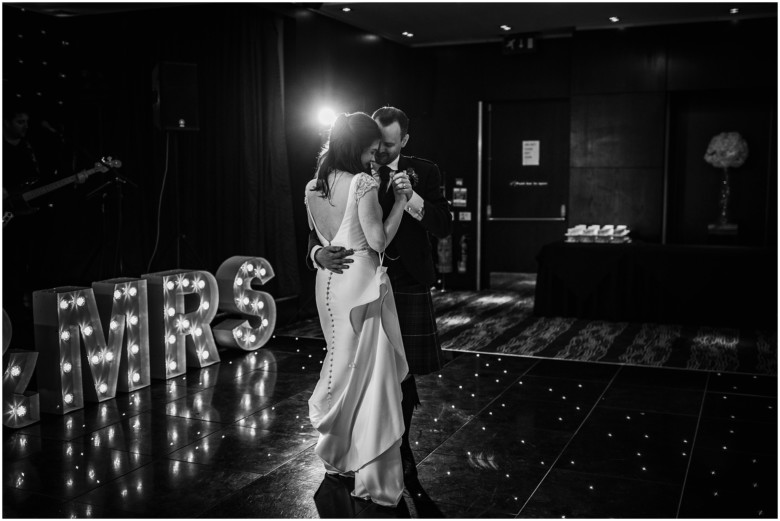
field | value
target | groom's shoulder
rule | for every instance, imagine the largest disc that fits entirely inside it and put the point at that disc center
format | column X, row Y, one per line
column 419, row 162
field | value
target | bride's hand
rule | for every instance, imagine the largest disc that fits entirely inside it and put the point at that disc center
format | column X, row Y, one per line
column 402, row 187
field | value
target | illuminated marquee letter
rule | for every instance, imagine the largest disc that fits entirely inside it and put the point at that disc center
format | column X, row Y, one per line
column 20, row 407
column 176, row 332
column 63, row 317
column 124, row 300
column 235, row 277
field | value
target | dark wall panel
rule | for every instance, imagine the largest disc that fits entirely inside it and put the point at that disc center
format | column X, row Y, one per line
column 631, row 60
column 618, row 130
column 520, row 244
column 723, row 55
column 619, row 196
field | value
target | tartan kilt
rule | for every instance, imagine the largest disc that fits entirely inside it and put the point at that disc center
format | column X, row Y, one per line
column 418, row 329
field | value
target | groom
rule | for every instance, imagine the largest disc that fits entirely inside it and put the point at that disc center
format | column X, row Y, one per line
column 409, row 258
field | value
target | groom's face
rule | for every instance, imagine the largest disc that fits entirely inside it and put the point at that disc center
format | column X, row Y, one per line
column 391, row 144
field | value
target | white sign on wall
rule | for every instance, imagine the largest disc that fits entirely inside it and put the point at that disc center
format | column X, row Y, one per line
column 530, row 153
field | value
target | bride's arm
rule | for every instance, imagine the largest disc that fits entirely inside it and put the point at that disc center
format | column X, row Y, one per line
column 379, row 234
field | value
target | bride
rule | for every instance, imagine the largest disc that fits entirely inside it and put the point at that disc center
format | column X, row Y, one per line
column 356, row 404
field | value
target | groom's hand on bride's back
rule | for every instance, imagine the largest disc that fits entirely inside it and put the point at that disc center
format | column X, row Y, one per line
column 334, row 258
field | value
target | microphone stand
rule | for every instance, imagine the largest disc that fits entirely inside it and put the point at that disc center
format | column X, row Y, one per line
column 118, row 180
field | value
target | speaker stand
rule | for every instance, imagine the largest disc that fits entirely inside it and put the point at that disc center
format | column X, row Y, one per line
column 180, row 237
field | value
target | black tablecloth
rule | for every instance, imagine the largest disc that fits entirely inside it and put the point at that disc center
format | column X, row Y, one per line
column 700, row 285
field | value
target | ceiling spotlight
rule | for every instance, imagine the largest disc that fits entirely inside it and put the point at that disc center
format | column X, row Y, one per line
column 346, row 9
column 614, row 19
column 505, row 28
column 734, row 10
column 407, row 34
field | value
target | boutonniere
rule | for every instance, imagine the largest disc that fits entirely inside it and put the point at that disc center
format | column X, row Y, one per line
column 413, row 177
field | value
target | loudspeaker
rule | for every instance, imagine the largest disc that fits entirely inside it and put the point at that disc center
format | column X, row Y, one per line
column 175, row 87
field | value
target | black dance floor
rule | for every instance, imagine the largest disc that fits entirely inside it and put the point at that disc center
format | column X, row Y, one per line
column 496, row 437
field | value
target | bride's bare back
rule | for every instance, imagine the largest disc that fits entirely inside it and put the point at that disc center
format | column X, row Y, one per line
column 329, row 213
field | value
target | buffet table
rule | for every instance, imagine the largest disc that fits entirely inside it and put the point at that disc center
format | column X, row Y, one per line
column 637, row 282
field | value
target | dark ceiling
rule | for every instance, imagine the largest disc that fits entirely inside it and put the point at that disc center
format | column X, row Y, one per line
column 458, row 23
column 449, row 23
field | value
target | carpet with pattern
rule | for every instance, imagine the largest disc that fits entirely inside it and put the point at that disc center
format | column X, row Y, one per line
column 502, row 321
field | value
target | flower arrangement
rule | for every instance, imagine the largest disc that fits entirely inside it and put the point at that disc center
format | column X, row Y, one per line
column 413, row 177
column 727, row 150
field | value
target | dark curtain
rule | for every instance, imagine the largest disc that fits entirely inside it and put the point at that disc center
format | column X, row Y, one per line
column 246, row 153
column 230, row 179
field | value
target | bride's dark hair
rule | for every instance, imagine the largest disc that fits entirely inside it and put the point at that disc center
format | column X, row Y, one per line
column 350, row 135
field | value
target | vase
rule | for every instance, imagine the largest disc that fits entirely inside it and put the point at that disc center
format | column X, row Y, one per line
column 723, row 202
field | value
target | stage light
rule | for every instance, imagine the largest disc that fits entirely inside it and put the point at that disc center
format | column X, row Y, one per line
column 326, row 116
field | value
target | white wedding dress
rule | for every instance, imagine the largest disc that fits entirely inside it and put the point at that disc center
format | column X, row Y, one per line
column 356, row 405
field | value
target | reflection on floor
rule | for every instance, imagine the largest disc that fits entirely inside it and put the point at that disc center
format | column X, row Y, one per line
column 495, row 437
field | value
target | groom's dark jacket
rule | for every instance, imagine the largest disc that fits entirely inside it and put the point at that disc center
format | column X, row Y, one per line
column 411, row 242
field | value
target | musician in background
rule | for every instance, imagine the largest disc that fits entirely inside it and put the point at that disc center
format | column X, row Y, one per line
column 30, row 238
column 20, row 171
column 20, row 165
